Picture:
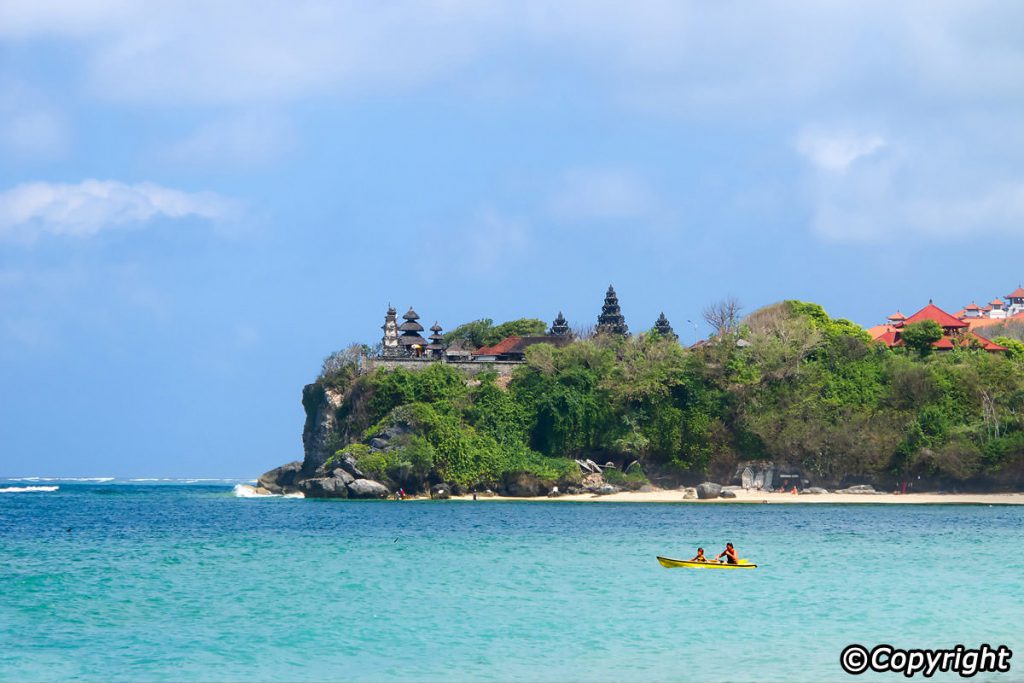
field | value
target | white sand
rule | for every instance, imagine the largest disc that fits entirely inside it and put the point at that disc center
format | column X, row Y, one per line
column 759, row 497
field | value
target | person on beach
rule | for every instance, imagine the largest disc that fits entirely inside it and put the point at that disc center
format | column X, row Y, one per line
column 699, row 557
column 730, row 555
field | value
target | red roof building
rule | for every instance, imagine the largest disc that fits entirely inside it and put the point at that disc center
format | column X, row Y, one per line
column 955, row 333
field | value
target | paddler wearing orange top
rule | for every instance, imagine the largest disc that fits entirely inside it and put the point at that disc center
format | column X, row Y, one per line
column 730, row 555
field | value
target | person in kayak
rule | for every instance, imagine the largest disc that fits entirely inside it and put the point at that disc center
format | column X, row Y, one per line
column 699, row 557
column 730, row 555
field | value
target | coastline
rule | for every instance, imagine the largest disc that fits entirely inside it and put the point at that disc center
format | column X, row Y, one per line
column 761, row 498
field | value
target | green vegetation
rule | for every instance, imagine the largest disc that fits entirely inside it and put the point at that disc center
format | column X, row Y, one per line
column 484, row 332
column 807, row 390
column 920, row 336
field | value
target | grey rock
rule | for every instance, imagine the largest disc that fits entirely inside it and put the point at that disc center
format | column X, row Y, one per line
column 860, row 488
column 344, row 476
column 708, row 490
column 814, row 491
column 646, row 488
column 324, row 487
column 347, row 462
column 367, row 488
column 607, row 489
column 440, row 492
column 690, row 494
column 524, row 485
column 378, row 443
column 732, row 488
column 280, row 478
column 574, row 490
column 727, row 494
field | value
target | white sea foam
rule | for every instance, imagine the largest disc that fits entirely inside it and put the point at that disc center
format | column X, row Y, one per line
column 28, row 489
column 247, row 491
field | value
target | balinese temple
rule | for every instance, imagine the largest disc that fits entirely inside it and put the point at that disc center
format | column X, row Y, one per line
column 389, row 344
column 410, row 341
column 662, row 327
column 559, row 328
column 956, row 333
column 611, row 320
column 436, row 345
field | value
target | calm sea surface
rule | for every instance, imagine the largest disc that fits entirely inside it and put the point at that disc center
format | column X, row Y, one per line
column 171, row 581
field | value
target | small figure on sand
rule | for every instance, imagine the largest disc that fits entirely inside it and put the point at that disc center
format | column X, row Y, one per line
column 699, row 557
column 730, row 555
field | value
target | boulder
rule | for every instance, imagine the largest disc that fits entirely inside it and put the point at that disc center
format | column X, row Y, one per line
column 344, row 476
column 607, row 489
column 814, row 491
column 347, row 462
column 367, row 488
column 646, row 488
column 523, row 485
column 592, row 482
column 689, row 492
column 574, row 490
column 860, row 488
column 727, row 494
column 323, row 487
column 708, row 490
column 440, row 492
column 732, row 488
column 280, row 478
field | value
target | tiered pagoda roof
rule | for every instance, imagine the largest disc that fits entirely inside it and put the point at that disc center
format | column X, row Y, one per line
column 662, row 327
column 436, row 339
column 611, row 320
column 410, row 330
column 559, row 328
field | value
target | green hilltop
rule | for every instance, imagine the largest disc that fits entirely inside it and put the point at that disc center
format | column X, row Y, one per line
column 788, row 384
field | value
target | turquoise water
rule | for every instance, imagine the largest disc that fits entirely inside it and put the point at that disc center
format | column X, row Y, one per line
column 189, row 582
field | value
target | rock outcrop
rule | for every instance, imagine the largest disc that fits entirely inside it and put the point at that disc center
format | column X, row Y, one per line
column 727, row 494
column 863, row 489
column 367, row 488
column 280, row 479
column 708, row 490
column 440, row 492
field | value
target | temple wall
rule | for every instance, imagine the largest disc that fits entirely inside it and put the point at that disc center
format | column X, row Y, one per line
column 503, row 368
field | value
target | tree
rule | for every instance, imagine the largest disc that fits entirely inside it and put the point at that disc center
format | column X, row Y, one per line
column 484, row 332
column 723, row 316
column 920, row 336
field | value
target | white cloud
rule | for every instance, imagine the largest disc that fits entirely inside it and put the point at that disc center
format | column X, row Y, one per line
column 87, row 208
column 918, row 189
column 253, row 138
column 603, row 194
column 31, row 128
column 670, row 54
column 836, row 151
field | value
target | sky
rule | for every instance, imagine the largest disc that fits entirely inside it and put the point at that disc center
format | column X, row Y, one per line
column 199, row 201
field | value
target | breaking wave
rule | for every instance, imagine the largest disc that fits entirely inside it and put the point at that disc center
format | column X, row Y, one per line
column 28, row 489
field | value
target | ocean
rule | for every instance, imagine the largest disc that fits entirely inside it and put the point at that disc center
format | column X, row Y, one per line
column 110, row 580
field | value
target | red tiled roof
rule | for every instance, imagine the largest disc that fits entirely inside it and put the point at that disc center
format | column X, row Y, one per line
column 987, row 344
column 974, row 323
column 995, row 302
column 504, row 346
column 897, row 316
column 877, row 331
column 972, row 307
column 1016, row 294
column 933, row 312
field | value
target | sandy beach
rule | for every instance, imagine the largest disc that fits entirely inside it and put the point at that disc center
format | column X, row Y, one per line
column 760, row 497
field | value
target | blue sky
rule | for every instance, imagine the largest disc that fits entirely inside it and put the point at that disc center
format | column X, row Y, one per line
column 199, row 201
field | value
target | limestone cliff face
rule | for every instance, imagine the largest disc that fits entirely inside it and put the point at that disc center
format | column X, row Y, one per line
column 321, row 405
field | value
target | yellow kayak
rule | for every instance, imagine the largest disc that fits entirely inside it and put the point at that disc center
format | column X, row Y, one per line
column 669, row 562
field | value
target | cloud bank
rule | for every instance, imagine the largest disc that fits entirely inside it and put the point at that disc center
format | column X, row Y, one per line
column 31, row 210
